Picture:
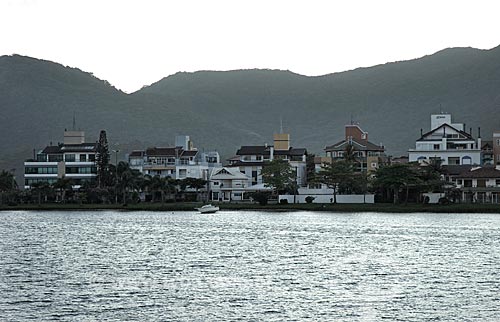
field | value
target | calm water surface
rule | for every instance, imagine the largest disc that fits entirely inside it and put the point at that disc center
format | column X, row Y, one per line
column 249, row 266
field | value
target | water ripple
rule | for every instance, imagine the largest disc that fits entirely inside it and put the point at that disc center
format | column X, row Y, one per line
column 249, row 266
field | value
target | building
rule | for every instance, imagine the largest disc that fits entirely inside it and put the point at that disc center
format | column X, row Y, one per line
column 73, row 159
column 367, row 155
column 496, row 147
column 178, row 162
column 479, row 184
column 447, row 142
column 250, row 160
column 229, row 184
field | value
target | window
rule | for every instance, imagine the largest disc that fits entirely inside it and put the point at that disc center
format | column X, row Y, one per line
column 459, row 181
column 467, row 183
column 466, row 160
column 454, row 160
column 70, row 157
column 497, row 182
column 91, row 157
column 436, row 146
column 83, row 158
column 55, row 157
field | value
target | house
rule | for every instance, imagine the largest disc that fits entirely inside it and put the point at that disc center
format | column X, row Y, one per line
column 250, row 160
column 367, row 155
column 73, row 159
column 479, row 184
column 229, row 184
column 178, row 162
column 496, row 147
column 447, row 142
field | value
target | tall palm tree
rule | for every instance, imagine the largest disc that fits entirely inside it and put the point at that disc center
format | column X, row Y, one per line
column 63, row 185
column 127, row 179
column 7, row 183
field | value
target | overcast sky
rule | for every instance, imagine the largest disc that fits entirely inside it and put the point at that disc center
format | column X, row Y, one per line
column 136, row 43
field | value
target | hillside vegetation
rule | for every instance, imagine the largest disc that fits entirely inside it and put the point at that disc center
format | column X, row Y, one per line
column 223, row 110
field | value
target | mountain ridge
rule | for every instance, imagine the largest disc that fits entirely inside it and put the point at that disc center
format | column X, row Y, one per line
column 226, row 109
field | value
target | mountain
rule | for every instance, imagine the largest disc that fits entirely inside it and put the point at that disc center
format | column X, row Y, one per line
column 223, row 110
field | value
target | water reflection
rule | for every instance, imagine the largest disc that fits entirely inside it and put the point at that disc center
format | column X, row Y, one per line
column 250, row 266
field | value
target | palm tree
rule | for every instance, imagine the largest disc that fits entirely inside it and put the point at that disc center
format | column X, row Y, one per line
column 127, row 179
column 42, row 189
column 7, row 183
column 63, row 185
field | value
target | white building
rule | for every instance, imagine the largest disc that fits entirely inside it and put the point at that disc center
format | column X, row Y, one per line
column 250, row 160
column 177, row 162
column 448, row 142
column 229, row 184
column 73, row 159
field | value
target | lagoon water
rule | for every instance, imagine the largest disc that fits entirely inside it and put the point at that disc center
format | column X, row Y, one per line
column 249, row 266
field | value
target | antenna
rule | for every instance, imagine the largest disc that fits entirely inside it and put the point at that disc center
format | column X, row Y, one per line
column 74, row 121
column 281, row 125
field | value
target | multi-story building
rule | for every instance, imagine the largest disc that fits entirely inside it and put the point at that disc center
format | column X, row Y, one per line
column 229, row 184
column 496, row 147
column 479, row 184
column 73, row 159
column 250, row 160
column 368, row 156
column 448, row 142
column 179, row 162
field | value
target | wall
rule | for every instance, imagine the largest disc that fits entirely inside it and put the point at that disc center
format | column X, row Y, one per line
column 368, row 198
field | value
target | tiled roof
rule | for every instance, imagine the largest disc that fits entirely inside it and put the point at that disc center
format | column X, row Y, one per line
column 57, row 149
column 481, row 172
column 248, row 163
column 136, row 153
column 52, row 149
column 357, row 145
column 190, row 153
column 152, row 152
column 254, row 150
column 291, row 152
column 84, row 147
column 467, row 135
column 455, row 169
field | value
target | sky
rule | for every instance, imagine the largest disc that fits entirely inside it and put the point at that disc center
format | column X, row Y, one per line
column 136, row 43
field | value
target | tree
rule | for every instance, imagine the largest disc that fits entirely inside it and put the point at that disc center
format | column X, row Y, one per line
column 8, row 184
column 310, row 168
column 195, row 183
column 279, row 175
column 127, row 179
column 102, row 160
column 63, row 185
column 396, row 176
column 336, row 174
column 42, row 189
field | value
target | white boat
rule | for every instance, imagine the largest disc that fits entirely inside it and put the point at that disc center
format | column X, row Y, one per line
column 208, row 209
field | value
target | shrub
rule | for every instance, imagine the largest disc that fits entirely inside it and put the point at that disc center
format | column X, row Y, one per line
column 260, row 197
column 309, row 199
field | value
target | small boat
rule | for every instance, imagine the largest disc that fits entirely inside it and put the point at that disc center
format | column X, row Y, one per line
column 208, row 209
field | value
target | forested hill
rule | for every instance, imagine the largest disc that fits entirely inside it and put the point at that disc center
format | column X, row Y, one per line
column 223, row 110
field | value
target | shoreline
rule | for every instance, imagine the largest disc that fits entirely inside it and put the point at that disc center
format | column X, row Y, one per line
column 348, row 208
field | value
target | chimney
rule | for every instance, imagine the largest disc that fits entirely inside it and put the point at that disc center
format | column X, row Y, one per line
column 281, row 142
column 421, row 132
column 479, row 141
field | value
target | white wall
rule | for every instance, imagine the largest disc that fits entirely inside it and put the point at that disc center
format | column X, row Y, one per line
column 368, row 198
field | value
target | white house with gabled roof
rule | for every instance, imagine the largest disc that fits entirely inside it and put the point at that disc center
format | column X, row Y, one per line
column 448, row 142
